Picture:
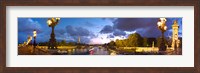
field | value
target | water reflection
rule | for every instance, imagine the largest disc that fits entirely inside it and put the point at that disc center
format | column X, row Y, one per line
column 85, row 51
column 100, row 51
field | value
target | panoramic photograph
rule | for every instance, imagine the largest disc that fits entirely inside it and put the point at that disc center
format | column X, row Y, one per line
column 99, row 36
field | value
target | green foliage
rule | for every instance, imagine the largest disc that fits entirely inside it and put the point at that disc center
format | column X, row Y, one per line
column 120, row 43
column 63, row 43
column 43, row 44
column 70, row 44
column 133, row 40
column 112, row 43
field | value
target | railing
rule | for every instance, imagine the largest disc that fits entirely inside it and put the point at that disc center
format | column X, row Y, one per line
column 142, row 49
column 41, row 50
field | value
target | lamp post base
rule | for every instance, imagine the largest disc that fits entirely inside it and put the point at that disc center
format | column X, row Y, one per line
column 52, row 41
column 162, row 47
column 52, row 44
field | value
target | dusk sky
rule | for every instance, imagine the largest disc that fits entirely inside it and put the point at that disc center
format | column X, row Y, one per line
column 93, row 30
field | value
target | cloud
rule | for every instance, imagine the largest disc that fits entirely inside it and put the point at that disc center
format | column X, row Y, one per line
column 110, row 19
column 77, row 31
column 110, row 36
column 148, row 32
column 60, row 31
column 22, row 38
column 147, row 27
column 60, row 34
column 107, row 29
column 27, row 25
column 130, row 24
column 170, row 22
column 119, row 33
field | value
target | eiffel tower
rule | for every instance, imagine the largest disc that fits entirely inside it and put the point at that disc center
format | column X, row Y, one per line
column 79, row 40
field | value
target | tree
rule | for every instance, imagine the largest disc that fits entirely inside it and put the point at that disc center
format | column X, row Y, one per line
column 43, row 44
column 63, row 43
column 120, row 43
column 145, row 42
column 134, row 40
column 70, row 44
column 126, row 43
column 112, row 43
column 117, row 43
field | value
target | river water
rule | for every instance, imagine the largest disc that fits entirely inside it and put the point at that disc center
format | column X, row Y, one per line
column 86, row 51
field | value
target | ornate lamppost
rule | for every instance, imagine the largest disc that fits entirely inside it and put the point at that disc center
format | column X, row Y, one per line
column 52, row 22
column 162, row 27
column 34, row 43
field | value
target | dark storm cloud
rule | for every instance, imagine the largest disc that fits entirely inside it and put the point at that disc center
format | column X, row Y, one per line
column 60, row 33
column 149, row 32
column 107, row 29
column 147, row 27
column 119, row 33
column 28, row 25
column 110, row 36
column 130, row 24
column 77, row 31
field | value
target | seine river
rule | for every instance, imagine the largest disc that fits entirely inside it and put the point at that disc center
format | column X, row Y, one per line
column 86, row 51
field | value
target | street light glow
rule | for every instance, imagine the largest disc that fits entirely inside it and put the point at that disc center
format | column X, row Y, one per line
column 52, row 21
column 165, row 28
column 163, row 20
column 162, row 24
column 159, row 23
column 58, row 19
column 49, row 22
column 34, row 33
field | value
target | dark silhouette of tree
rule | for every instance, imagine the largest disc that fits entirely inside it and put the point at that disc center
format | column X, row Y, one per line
column 112, row 43
column 63, row 43
column 145, row 42
column 135, row 40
